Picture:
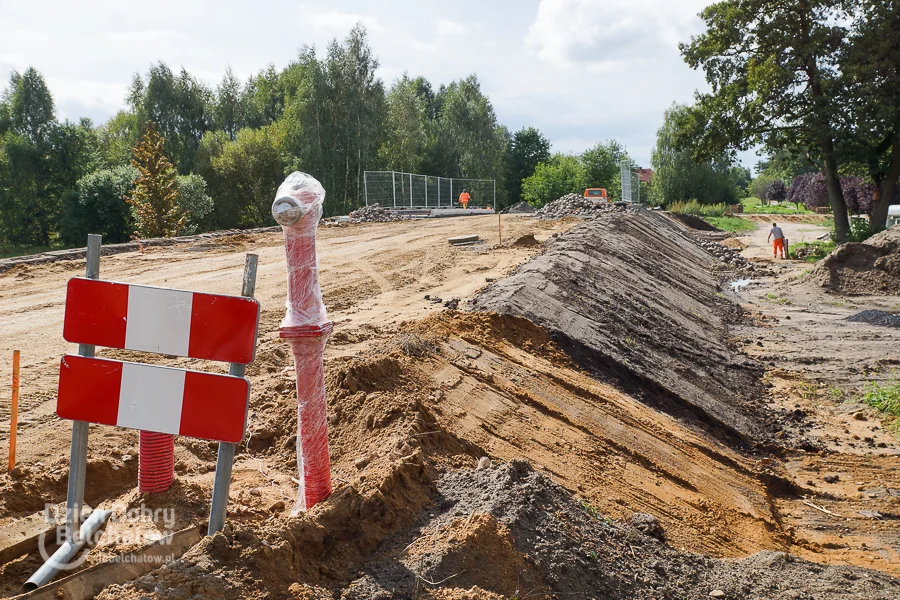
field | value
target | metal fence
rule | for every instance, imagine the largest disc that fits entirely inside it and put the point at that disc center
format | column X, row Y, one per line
column 631, row 180
column 395, row 189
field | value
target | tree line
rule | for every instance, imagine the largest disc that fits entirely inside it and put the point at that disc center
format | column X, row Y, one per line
column 228, row 148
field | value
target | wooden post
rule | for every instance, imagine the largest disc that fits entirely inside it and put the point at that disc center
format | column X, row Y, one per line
column 499, row 227
column 14, row 411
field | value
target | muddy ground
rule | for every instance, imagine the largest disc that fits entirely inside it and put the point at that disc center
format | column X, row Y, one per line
column 598, row 422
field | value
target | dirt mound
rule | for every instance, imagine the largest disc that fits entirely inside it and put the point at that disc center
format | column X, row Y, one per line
column 519, row 208
column 634, row 301
column 526, row 241
column 869, row 268
column 694, row 222
column 734, row 244
column 532, row 539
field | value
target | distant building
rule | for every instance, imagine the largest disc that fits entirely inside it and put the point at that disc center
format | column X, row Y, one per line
column 646, row 175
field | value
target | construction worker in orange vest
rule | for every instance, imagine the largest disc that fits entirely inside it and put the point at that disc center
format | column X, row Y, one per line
column 464, row 198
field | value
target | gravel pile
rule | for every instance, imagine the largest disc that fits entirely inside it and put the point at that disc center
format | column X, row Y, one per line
column 876, row 317
column 573, row 205
column 519, row 208
column 375, row 213
column 727, row 255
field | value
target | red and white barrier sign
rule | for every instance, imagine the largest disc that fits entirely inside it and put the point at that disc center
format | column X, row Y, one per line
column 152, row 398
column 164, row 321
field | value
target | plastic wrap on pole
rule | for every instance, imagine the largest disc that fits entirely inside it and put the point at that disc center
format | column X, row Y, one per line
column 298, row 208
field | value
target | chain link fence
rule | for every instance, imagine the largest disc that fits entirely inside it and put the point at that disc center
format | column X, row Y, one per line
column 394, row 189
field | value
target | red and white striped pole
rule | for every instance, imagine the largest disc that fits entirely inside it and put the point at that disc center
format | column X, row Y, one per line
column 298, row 208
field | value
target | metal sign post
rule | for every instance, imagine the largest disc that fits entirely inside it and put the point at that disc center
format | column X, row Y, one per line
column 225, row 459
column 78, row 452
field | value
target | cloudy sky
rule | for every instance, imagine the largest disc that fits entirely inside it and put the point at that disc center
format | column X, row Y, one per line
column 579, row 70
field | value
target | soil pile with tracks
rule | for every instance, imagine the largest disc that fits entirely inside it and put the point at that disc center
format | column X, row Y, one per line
column 872, row 267
column 634, row 301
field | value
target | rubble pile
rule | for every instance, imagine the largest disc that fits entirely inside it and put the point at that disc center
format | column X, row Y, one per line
column 574, row 205
column 375, row 213
column 519, row 208
column 727, row 255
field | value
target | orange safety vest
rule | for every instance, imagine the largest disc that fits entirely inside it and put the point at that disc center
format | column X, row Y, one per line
column 464, row 199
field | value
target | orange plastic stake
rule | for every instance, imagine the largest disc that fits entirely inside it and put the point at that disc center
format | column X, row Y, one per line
column 14, row 413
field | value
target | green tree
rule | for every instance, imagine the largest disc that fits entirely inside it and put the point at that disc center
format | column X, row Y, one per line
column 471, row 143
column 99, row 206
column 405, row 144
column 681, row 177
column 760, row 185
column 527, row 149
column 870, row 63
column 263, row 98
column 116, row 138
column 154, row 196
column 244, row 175
column 602, row 167
column 560, row 175
column 357, row 115
column 773, row 70
column 30, row 111
column 229, row 114
column 179, row 106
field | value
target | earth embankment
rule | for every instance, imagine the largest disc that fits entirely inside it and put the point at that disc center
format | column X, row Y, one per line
column 634, row 301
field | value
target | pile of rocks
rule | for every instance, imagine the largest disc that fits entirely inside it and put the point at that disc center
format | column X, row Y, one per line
column 727, row 255
column 573, row 205
column 519, row 208
column 876, row 317
column 375, row 213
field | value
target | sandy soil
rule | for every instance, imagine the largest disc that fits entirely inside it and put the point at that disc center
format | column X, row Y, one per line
column 818, row 364
column 418, row 394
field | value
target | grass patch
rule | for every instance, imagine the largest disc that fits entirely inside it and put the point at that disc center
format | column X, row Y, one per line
column 884, row 396
column 775, row 298
column 754, row 206
column 810, row 251
column 732, row 224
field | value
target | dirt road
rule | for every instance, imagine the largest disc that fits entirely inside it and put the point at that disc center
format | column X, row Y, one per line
column 818, row 366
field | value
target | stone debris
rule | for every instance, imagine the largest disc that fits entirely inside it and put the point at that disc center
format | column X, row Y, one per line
column 574, row 205
column 375, row 213
column 876, row 317
column 648, row 525
column 728, row 256
column 520, row 208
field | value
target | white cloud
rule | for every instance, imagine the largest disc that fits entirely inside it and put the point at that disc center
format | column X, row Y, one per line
column 603, row 34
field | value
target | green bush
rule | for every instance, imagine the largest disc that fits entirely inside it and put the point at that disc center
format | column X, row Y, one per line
column 692, row 207
column 560, row 175
column 99, row 206
column 193, row 199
